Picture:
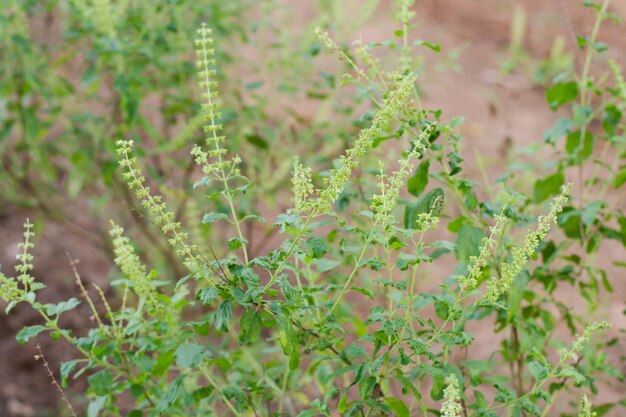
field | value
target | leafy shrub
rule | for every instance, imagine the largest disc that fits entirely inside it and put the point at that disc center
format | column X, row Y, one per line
column 331, row 321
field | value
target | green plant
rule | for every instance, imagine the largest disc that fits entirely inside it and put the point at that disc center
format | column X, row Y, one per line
column 114, row 69
column 337, row 318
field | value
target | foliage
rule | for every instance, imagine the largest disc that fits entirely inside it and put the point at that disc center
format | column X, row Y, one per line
column 338, row 319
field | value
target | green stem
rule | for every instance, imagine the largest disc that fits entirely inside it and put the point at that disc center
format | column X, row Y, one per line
column 357, row 265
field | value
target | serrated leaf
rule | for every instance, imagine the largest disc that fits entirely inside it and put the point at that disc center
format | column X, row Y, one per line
column 189, row 355
column 58, row 309
column 223, row 315
column 66, row 369
column 236, row 243
column 213, row 217
column 537, row 370
column 250, row 330
column 325, row 265
column 101, row 382
column 28, row 332
column 316, row 247
column 206, row 295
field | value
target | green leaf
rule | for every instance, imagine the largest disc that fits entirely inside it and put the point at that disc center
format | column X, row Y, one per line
column 254, row 85
column 57, row 309
column 620, row 179
column 28, row 332
column 516, row 295
column 257, row 141
column 101, row 382
column 250, row 327
column 136, row 390
column 308, row 413
column 366, row 386
column 468, row 242
column 622, row 224
column 442, row 307
column 537, row 370
column 561, row 127
column 343, row 404
column 66, row 369
column 530, row 407
column 561, row 93
column 569, row 220
column 423, row 205
column 547, row 187
column 325, row 265
column 223, row 315
column 236, row 243
column 316, row 247
column 294, row 359
column 570, row 372
column 590, row 212
column 417, row 183
column 434, row 46
column 163, row 362
column 213, row 217
column 504, row 394
column 339, row 372
column 445, row 245
column 399, row 408
column 95, row 406
column 206, row 295
column 189, row 355
column 572, row 144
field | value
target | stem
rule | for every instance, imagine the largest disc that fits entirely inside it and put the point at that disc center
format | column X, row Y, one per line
column 350, row 277
column 209, row 378
column 583, row 101
column 274, row 276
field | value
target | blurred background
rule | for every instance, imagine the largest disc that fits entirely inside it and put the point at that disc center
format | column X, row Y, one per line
column 75, row 76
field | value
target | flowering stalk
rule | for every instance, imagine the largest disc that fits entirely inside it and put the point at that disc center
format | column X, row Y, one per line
column 478, row 263
column 14, row 290
column 582, row 340
column 212, row 161
column 404, row 16
column 130, row 264
column 302, row 187
column 520, row 255
column 25, row 257
column 585, row 408
column 350, row 161
column 451, row 406
column 384, row 203
column 157, row 209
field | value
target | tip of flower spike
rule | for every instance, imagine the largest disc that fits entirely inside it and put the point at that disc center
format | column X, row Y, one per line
column 204, row 29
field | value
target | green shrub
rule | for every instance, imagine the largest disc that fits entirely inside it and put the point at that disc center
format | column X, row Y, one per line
column 330, row 321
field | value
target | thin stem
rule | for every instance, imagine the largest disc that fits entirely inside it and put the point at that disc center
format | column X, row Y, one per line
column 357, row 265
